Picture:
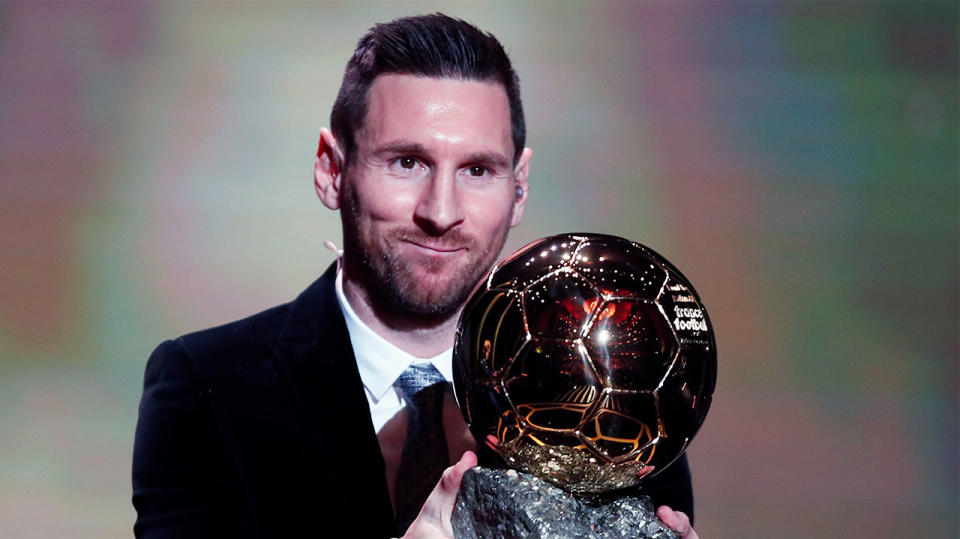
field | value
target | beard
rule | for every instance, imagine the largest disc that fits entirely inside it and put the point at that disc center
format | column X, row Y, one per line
column 410, row 284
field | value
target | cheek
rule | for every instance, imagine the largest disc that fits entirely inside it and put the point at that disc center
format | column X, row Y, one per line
column 491, row 215
column 391, row 207
column 388, row 203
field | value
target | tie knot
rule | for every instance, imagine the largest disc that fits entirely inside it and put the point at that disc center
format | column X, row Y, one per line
column 416, row 377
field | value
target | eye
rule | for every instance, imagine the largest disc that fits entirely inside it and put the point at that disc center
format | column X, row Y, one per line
column 405, row 165
column 476, row 171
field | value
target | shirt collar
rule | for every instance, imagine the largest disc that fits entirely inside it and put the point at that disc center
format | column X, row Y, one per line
column 379, row 361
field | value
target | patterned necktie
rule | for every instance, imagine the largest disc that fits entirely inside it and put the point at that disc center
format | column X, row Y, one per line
column 424, row 454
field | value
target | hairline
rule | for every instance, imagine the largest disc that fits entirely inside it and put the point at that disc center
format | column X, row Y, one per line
column 365, row 107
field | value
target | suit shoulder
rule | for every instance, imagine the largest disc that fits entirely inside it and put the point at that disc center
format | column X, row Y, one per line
column 243, row 336
column 257, row 337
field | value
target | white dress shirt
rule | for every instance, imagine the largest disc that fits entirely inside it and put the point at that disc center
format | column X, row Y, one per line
column 380, row 363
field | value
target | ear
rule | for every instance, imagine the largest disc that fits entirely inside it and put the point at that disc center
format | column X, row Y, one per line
column 327, row 170
column 520, row 172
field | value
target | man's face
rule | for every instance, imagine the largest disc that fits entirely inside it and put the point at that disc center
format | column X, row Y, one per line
column 431, row 193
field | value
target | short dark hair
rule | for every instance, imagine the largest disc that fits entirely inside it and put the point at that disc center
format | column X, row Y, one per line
column 431, row 46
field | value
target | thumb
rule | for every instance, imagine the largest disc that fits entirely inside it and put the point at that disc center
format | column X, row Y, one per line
column 434, row 517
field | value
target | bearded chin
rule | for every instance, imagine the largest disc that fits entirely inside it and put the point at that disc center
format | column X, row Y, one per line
column 410, row 289
column 411, row 295
column 424, row 288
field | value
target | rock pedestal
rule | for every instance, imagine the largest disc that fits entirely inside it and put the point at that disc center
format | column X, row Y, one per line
column 507, row 503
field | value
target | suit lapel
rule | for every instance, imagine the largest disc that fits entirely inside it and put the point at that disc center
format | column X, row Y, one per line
column 315, row 355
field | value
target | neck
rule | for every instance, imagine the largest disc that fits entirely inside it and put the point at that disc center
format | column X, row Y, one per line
column 418, row 335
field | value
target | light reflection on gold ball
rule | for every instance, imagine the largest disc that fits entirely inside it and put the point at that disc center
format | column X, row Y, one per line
column 585, row 359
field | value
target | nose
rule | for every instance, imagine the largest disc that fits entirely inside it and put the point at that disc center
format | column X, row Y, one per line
column 439, row 208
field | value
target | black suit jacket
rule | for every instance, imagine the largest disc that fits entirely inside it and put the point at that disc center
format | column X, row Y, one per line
column 261, row 428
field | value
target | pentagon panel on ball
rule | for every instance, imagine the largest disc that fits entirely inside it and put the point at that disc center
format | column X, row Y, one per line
column 585, row 359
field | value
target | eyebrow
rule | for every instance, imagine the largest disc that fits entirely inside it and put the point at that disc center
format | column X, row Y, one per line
column 489, row 158
column 401, row 147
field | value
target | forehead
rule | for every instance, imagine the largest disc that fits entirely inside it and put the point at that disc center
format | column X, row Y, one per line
column 426, row 109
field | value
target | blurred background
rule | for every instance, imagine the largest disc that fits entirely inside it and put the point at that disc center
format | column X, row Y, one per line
column 797, row 161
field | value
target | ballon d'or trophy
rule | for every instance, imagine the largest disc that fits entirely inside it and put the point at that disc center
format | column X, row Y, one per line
column 586, row 363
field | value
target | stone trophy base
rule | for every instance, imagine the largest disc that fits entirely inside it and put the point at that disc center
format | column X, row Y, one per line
column 507, row 503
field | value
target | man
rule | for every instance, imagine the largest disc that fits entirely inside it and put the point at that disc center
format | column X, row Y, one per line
column 294, row 422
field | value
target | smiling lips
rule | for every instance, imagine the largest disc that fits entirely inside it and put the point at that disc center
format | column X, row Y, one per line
column 439, row 248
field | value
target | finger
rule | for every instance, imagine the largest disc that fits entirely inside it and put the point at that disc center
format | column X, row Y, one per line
column 449, row 485
column 675, row 520
column 644, row 471
column 434, row 517
column 452, row 476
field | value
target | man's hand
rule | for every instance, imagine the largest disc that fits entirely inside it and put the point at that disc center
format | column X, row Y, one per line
column 677, row 521
column 434, row 518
